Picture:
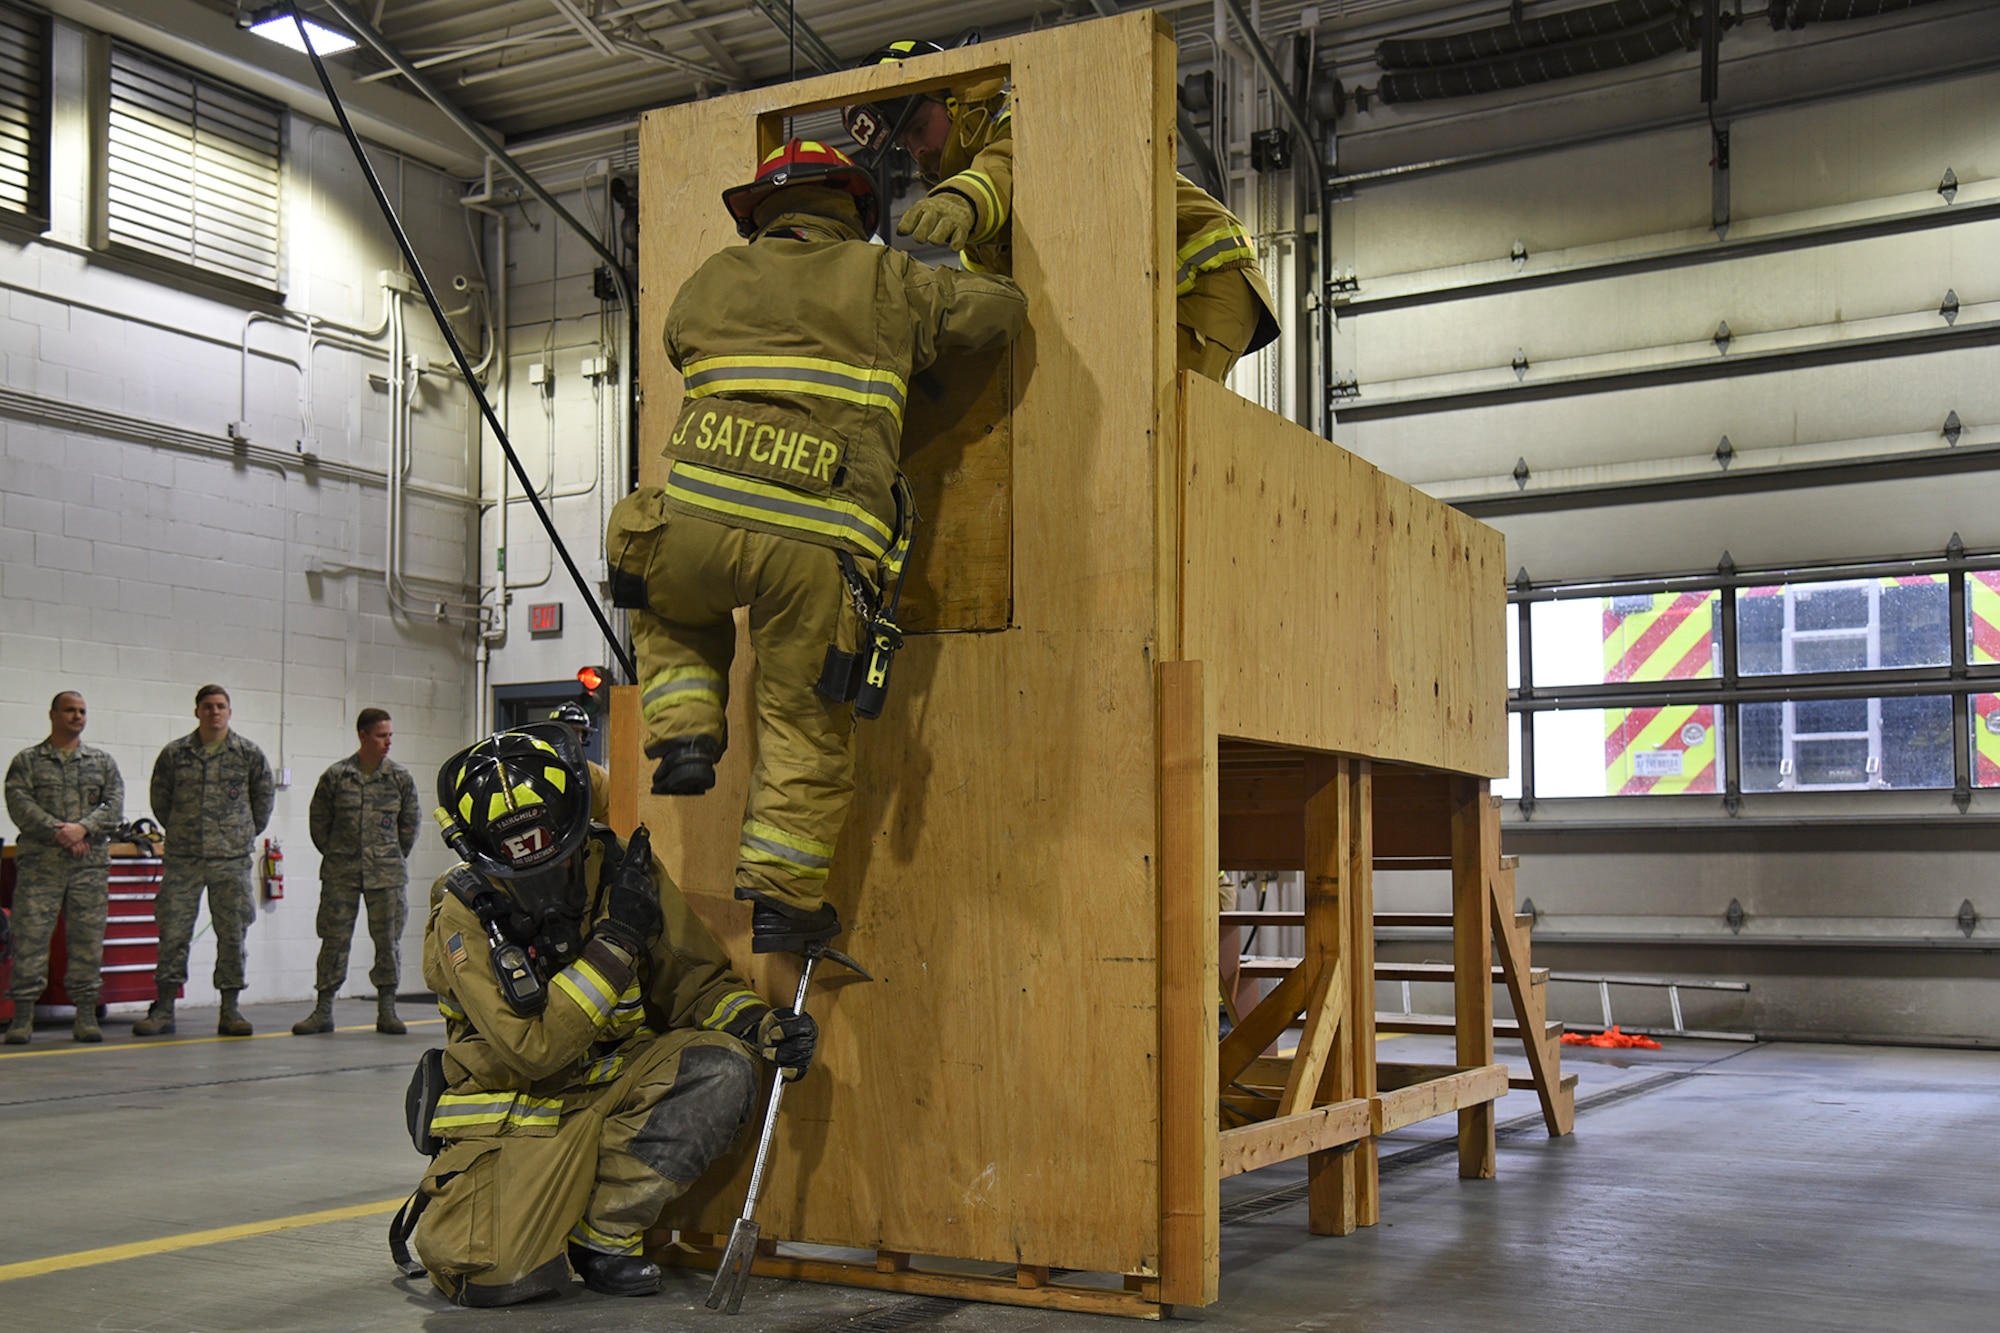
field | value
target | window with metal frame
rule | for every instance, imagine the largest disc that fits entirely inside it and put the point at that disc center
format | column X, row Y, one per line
column 24, row 113
column 1861, row 676
column 192, row 170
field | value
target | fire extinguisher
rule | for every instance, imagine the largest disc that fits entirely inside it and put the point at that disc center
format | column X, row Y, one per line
column 271, row 869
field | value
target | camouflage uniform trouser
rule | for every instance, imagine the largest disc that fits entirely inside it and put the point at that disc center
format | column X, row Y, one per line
column 339, row 905
column 802, row 783
column 49, row 883
column 504, row 1204
column 231, row 907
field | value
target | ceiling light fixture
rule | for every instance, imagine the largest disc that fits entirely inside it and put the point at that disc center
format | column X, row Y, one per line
column 274, row 23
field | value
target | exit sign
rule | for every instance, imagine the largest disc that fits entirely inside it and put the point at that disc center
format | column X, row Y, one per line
column 545, row 618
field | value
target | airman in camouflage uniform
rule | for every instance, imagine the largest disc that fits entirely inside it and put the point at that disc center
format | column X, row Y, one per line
column 66, row 798
column 364, row 821
column 212, row 792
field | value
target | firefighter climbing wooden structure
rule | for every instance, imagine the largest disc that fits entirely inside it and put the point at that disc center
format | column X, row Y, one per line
column 1133, row 588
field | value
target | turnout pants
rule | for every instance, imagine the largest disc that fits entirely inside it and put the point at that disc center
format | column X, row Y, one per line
column 509, row 1197
column 231, row 907
column 697, row 573
column 339, row 907
column 49, row 882
column 1215, row 322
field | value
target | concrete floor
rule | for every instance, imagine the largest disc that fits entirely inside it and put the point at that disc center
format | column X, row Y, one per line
column 1708, row 1186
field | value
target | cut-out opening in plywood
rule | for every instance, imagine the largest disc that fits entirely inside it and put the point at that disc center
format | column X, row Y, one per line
column 958, row 453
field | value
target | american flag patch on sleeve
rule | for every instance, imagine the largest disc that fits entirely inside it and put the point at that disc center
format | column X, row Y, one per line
column 455, row 946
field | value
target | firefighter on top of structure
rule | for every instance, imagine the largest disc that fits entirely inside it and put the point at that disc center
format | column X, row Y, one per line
column 963, row 143
column 600, row 1047
column 784, row 496
column 572, row 716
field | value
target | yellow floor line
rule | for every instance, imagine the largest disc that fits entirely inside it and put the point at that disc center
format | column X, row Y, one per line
column 149, row 1043
column 191, row 1240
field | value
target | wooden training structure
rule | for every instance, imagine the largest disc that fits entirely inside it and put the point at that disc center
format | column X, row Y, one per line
column 1158, row 630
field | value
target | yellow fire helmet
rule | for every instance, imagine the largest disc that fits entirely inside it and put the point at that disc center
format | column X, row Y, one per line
column 517, row 802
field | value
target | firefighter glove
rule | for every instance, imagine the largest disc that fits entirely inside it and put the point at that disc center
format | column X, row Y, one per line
column 939, row 219
column 632, row 906
column 788, row 1039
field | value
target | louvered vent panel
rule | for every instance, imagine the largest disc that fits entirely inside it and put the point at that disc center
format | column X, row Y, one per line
column 24, row 113
column 192, row 170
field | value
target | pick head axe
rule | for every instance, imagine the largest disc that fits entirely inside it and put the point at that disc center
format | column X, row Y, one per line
column 732, row 1276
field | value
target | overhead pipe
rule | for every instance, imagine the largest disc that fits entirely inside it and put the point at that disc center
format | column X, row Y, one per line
column 1632, row 46
column 1458, row 48
column 1798, row 13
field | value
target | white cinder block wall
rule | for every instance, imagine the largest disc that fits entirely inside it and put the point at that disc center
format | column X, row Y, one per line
column 142, row 553
column 567, row 430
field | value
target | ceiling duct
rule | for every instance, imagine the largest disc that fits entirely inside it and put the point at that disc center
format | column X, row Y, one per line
column 1664, row 36
column 1457, row 48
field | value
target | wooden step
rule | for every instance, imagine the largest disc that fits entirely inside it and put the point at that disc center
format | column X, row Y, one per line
column 1527, row 1081
column 1265, row 966
column 1444, row 972
column 1433, row 920
column 1443, row 1025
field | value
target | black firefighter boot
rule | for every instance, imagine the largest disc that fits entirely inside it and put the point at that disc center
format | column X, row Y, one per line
column 687, row 765
column 615, row 1274
column 775, row 929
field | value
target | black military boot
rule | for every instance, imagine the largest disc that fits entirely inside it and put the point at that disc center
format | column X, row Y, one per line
column 687, row 765
column 775, row 929
column 615, row 1274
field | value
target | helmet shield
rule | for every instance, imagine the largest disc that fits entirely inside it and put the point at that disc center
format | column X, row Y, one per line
column 517, row 804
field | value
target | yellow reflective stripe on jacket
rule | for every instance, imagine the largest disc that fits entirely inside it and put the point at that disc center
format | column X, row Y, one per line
column 745, row 497
column 1227, row 244
column 587, row 986
column 730, row 1008
column 978, row 187
column 466, row 1110
column 449, row 1008
column 681, row 685
column 762, row 844
column 818, row 376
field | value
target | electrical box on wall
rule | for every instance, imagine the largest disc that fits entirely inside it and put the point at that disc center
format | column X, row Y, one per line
column 545, row 620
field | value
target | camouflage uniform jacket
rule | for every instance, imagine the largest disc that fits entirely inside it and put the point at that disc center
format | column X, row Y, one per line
column 44, row 790
column 212, row 805
column 364, row 824
column 597, row 1006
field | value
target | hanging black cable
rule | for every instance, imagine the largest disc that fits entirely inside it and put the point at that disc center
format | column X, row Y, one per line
column 458, row 351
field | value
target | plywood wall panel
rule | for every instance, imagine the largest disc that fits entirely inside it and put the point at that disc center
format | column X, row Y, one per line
column 1337, row 608
column 995, row 1094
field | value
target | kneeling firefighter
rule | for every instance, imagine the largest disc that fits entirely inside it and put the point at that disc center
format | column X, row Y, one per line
column 784, row 496
column 600, row 1050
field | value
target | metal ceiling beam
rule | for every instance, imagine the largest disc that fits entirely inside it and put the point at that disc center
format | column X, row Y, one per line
column 810, row 45
column 585, row 25
column 358, row 24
